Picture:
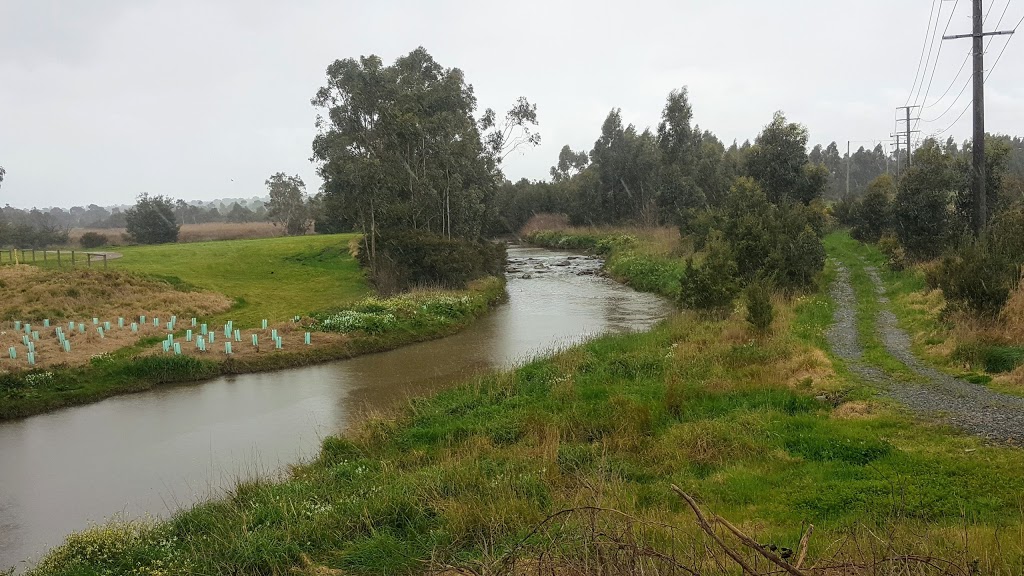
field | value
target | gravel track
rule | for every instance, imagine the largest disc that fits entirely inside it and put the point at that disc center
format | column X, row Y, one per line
column 971, row 407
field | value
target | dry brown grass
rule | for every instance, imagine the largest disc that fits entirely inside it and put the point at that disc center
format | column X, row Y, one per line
column 193, row 232
column 660, row 240
column 31, row 294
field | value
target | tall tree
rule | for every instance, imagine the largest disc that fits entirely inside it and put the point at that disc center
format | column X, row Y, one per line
column 569, row 164
column 399, row 147
column 505, row 136
column 778, row 162
column 288, row 205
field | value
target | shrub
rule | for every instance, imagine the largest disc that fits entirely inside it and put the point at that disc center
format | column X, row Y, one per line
column 93, row 240
column 890, row 246
column 777, row 242
column 977, row 277
column 872, row 215
column 760, row 312
column 406, row 259
column 152, row 220
column 921, row 209
column 714, row 285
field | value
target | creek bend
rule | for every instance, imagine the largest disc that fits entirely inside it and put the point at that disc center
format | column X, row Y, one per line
column 155, row 452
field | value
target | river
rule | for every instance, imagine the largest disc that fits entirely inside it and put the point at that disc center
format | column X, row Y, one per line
column 158, row 451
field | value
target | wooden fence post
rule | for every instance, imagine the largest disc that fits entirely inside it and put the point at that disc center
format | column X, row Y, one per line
column 59, row 265
column 88, row 259
column 104, row 260
column 33, row 254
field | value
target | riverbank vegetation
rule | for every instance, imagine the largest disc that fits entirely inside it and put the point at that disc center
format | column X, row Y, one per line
column 550, row 463
column 137, row 362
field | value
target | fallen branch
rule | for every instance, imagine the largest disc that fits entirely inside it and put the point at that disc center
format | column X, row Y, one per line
column 706, row 527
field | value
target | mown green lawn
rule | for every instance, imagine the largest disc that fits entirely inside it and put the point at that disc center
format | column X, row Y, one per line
column 272, row 278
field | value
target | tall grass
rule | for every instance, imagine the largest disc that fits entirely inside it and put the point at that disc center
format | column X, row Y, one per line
column 205, row 232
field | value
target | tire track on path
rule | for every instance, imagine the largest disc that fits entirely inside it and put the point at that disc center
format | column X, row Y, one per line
column 970, row 407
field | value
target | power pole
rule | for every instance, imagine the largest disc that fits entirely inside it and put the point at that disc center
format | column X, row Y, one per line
column 848, row 159
column 978, row 146
column 908, row 131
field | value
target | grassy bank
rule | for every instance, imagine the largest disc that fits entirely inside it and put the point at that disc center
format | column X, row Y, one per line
column 984, row 351
column 273, row 278
column 566, row 465
column 760, row 430
column 381, row 324
column 648, row 260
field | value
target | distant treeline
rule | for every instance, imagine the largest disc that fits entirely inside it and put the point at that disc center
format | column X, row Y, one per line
column 38, row 228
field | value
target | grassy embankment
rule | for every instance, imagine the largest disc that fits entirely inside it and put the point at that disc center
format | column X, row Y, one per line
column 760, row 429
column 313, row 276
column 989, row 352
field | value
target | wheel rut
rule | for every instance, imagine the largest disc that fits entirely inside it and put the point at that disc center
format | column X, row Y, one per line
column 970, row 407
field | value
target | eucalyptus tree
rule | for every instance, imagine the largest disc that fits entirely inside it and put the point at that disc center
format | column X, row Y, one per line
column 399, row 147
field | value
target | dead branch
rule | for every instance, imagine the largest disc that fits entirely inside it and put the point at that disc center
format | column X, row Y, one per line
column 706, row 527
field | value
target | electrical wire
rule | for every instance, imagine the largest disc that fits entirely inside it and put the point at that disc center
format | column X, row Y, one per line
column 935, row 65
column 920, row 61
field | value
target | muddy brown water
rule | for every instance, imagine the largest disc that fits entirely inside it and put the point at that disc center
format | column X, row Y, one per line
column 152, row 453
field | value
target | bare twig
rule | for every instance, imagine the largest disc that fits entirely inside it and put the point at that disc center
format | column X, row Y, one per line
column 752, row 544
column 711, row 532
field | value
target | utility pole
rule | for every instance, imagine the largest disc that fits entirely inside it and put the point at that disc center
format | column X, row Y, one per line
column 848, row 158
column 908, row 130
column 978, row 146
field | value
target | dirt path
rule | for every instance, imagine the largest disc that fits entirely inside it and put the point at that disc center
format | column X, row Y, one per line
column 971, row 407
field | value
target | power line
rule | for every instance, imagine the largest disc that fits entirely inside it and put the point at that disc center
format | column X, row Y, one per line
column 935, row 65
column 968, row 83
column 925, row 104
column 920, row 60
column 1007, row 43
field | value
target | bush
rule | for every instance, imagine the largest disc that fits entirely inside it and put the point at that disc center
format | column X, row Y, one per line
column 152, row 220
column 714, row 285
column 977, row 277
column 760, row 312
column 777, row 242
column 406, row 259
column 895, row 258
column 93, row 240
column 872, row 215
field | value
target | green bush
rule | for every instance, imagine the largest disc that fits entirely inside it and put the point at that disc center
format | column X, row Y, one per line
column 406, row 259
column 778, row 242
column 93, row 240
column 714, row 285
column 890, row 246
column 977, row 277
column 760, row 312
column 994, row 359
column 152, row 220
column 873, row 213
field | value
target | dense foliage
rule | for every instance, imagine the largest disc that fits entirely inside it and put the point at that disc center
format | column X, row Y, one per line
column 413, row 258
column 151, row 220
column 93, row 240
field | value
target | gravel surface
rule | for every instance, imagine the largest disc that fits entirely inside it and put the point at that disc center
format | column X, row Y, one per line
column 971, row 407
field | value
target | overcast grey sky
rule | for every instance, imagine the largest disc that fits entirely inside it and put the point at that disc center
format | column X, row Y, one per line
column 103, row 99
